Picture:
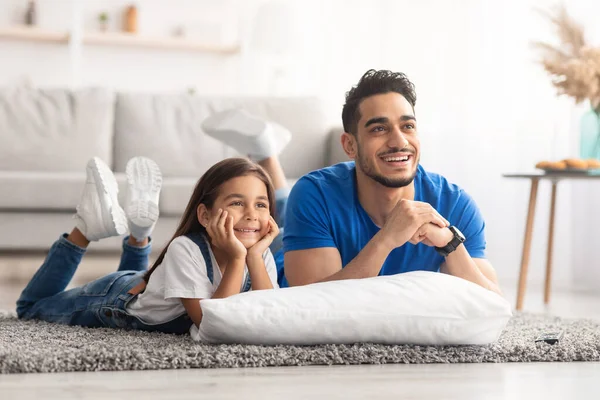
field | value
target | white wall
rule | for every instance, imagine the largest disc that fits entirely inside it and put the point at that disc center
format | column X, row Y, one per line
column 484, row 106
column 125, row 68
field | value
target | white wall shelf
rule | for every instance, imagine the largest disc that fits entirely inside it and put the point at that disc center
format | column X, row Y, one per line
column 34, row 34
column 166, row 43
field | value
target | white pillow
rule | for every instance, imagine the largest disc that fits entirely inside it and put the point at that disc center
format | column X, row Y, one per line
column 426, row 308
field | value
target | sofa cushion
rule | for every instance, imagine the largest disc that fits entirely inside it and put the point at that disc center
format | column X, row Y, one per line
column 175, row 194
column 25, row 190
column 54, row 130
column 336, row 152
column 167, row 128
column 23, row 231
column 46, row 191
column 60, row 191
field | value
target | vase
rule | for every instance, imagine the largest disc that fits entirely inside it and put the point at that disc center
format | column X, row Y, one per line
column 131, row 20
column 589, row 135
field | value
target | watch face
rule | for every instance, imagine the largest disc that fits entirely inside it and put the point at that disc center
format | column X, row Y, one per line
column 458, row 233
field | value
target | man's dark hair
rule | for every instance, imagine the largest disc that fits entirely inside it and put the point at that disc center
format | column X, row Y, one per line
column 374, row 82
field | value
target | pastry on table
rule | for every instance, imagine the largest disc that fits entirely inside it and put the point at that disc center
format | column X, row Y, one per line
column 592, row 163
column 576, row 163
column 558, row 165
column 543, row 165
column 551, row 165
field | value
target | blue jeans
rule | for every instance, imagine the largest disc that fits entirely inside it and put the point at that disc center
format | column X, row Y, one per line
column 281, row 197
column 103, row 302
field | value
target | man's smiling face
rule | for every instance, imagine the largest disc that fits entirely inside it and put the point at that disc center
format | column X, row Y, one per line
column 388, row 148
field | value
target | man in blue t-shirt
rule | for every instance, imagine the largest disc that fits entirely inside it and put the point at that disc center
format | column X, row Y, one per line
column 382, row 213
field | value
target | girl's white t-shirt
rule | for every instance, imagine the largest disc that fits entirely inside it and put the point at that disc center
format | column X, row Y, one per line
column 182, row 274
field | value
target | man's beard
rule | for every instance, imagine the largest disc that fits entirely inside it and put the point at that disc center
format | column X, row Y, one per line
column 369, row 171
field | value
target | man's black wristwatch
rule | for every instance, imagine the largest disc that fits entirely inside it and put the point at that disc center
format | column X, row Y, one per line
column 453, row 244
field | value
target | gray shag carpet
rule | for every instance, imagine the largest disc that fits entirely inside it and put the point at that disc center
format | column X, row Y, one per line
column 36, row 346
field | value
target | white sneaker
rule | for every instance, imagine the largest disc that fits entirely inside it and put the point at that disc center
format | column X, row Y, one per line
column 99, row 214
column 247, row 134
column 144, row 181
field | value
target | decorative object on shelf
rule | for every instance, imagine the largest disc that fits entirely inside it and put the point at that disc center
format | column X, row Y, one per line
column 179, row 31
column 574, row 67
column 30, row 15
column 103, row 21
column 130, row 24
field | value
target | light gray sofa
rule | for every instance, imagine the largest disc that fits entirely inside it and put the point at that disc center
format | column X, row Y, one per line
column 47, row 137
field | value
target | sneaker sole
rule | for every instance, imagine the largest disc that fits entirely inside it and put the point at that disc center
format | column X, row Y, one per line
column 108, row 190
column 145, row 178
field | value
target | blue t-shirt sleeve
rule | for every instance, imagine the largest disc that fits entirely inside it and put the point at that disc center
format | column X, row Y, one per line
column 469, row 221
column 306, row 218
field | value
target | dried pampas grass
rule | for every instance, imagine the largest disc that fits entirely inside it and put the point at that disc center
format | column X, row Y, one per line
column 573, row 65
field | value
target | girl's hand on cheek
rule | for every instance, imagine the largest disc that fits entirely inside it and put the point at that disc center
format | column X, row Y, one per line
column 263, row 244
column 220, row 230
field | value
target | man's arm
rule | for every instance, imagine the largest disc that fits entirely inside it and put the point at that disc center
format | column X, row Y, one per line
column 303, row 267
column 477, row 270
column 487, row 269
column 322, row 264
column 468, row 260
column 459, row 263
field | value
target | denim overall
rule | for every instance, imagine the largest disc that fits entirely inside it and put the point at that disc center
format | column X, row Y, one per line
column 103, row 302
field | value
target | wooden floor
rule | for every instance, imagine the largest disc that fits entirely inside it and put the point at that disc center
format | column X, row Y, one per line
column 546, row 381
column 433, row 381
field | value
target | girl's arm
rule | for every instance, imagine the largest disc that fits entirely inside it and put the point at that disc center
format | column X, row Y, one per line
column 256, row 263
column 220, row 230
column 232, row 279
column 258, row 272
column 193, row 309
column 230, row 285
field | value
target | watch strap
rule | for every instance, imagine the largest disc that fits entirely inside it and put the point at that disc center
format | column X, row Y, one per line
column 453, row 244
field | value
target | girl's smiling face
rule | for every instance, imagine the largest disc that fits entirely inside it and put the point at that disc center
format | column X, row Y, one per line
column 245, row 198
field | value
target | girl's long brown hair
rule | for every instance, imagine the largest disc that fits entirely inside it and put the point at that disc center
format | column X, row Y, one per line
column 207, row 191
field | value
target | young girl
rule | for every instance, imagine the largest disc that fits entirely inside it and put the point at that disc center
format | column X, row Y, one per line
column 220, row 248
